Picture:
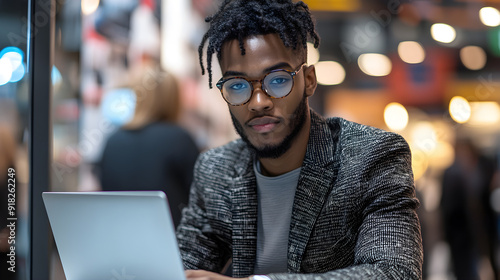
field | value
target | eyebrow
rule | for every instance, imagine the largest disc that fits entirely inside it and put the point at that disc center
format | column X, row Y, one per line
column 280, row 65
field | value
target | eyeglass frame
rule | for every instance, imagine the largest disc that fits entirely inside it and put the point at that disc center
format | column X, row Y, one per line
column 221, row 82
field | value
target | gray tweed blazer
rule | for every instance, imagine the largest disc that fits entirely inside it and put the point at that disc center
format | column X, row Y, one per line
column 353, row 215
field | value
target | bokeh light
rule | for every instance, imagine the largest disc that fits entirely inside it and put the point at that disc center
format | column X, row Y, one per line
column 11, row 49
column 15, row 72
column 473, row 57
column 443, row 155
column 375, row 64
column 424, row 137
column 489, row 16
column 5, row 70
column 411, row 52
column 484, row 113
column 118, row 106
column 396, row 116
column 329, row 73
column 460, row 110
column 443, row 33
column 89, row 6
column 312, row 54
column 18, row 73
column 56, row 76
column 16, row 59
column 419, row 162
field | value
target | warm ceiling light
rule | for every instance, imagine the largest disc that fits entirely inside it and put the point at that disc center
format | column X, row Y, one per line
column 312, row 54
column 443, row 155
column 419, row 162
column 89, row 6
column 460, row 110
column 411, row 52
column 329, row 72
column 395, row 116
column 484, row 113
column 473, row 57
column 424, row 137
column 375, row 64
column 443, row 33
column 489, row 16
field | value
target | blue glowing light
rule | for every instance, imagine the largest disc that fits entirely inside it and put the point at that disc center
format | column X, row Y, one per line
column 18, row 74
column 118, row 105
column 56, row 76
column 12, row 50
column 12, row 68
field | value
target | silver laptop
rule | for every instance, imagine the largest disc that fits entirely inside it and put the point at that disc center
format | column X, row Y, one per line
column 114, row 235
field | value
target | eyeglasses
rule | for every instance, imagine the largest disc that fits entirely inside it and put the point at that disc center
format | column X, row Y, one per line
column 277, row 83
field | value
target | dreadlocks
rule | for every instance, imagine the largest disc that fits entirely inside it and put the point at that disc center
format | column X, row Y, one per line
column 238, row 19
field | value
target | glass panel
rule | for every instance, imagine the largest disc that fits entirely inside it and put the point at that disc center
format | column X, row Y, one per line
column 14, row 135
column 65, row 107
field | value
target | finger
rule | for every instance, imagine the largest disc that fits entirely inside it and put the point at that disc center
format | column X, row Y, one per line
column 196, row 273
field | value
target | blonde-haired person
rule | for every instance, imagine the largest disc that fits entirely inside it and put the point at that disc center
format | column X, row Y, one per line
column 7, row 160
column 152, row 152
column 157, row 99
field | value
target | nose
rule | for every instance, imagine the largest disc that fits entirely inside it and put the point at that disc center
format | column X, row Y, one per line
column 259, row 101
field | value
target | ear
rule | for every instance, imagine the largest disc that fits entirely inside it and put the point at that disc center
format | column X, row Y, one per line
column 310, row 80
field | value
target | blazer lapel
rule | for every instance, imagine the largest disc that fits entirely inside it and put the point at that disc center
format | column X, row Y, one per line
column 244, row 211
column 315, row 183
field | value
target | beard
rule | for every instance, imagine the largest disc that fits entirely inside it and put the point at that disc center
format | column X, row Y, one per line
column 275, row 151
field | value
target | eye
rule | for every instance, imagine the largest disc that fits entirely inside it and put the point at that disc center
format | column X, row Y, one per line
column 279, row 80
column 237, row 85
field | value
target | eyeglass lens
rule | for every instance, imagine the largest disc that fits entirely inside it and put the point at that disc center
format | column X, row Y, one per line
column 277, row 84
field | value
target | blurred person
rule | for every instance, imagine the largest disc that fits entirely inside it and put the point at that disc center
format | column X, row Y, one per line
column 152, row 152
column 115, row 38
column 468, row 219
column 298, row 196
column 7, row 160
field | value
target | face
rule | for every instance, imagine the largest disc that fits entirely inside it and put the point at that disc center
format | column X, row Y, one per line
column 268, row 125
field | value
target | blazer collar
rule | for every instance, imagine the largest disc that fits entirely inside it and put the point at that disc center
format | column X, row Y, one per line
column 322, row 141
column 244, row 217
column 319, row 170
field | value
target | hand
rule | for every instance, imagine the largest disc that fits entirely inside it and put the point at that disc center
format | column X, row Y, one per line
column 207, row 275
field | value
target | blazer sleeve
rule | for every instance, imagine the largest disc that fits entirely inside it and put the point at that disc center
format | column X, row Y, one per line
column 389, row 244
column 199, row 245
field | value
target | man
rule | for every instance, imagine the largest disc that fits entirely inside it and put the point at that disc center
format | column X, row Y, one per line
column 298, row 196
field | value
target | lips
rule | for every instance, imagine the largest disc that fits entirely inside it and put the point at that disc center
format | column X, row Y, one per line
column 263, row 124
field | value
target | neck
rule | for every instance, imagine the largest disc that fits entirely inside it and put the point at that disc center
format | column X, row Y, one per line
column 291, row 159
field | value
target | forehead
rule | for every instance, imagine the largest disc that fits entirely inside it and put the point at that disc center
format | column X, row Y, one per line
column 261, row 52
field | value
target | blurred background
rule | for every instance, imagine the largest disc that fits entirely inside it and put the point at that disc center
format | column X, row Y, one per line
column 428, row 70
